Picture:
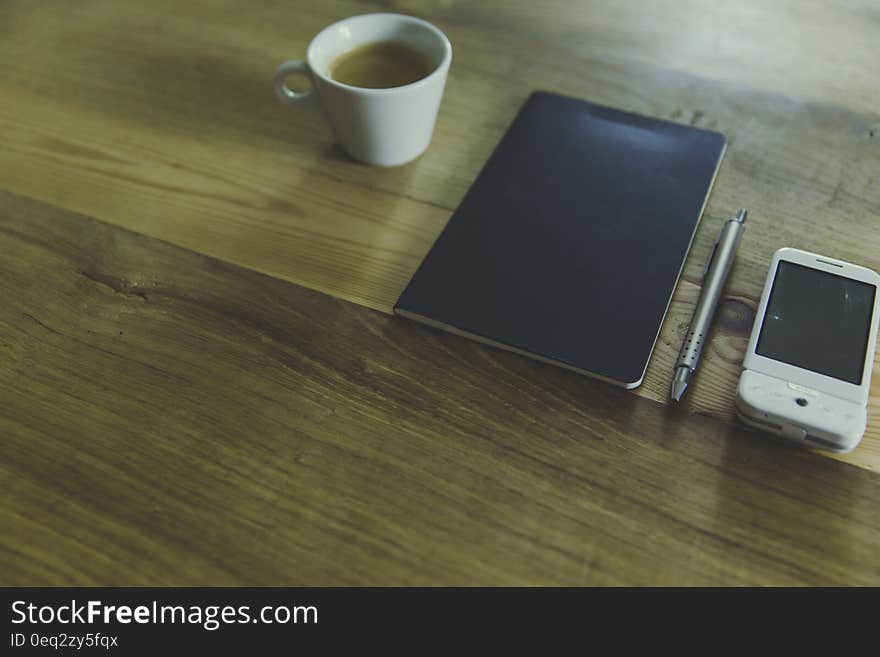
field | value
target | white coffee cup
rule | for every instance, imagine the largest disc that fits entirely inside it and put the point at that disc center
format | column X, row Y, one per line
column 377, row 126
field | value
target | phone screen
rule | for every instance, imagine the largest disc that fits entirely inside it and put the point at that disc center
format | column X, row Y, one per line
column 818, row 321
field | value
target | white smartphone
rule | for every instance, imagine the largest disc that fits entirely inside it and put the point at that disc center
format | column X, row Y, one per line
column 807, row 370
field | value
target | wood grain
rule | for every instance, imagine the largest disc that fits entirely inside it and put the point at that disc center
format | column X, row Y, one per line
column 171, row 419
column 160, row 118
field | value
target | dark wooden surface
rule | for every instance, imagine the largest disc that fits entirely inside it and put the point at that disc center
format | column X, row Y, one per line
column 159, row 117
column 167, row 418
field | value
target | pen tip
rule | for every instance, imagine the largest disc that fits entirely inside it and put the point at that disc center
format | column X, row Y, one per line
column 741, row 216
column 680, row 382
column 678, row 392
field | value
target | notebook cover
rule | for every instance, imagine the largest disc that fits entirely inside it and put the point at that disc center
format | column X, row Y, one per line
column 569, row 244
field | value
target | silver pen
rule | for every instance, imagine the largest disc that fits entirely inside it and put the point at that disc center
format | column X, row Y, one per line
column 714, row 279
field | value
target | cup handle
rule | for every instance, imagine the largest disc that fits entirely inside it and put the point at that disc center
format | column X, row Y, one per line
column 286, row 94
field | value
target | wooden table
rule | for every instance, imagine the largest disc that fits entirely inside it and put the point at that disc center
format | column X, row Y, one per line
column 200, row 381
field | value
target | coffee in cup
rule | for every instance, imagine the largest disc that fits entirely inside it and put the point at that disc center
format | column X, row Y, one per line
column 381, row 65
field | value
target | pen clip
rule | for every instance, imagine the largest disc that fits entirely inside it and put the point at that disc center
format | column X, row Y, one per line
column 711, row 258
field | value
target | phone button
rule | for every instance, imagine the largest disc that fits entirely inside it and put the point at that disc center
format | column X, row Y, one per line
column 793, row 432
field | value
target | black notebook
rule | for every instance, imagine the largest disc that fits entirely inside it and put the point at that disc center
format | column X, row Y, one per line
column 568, row 245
